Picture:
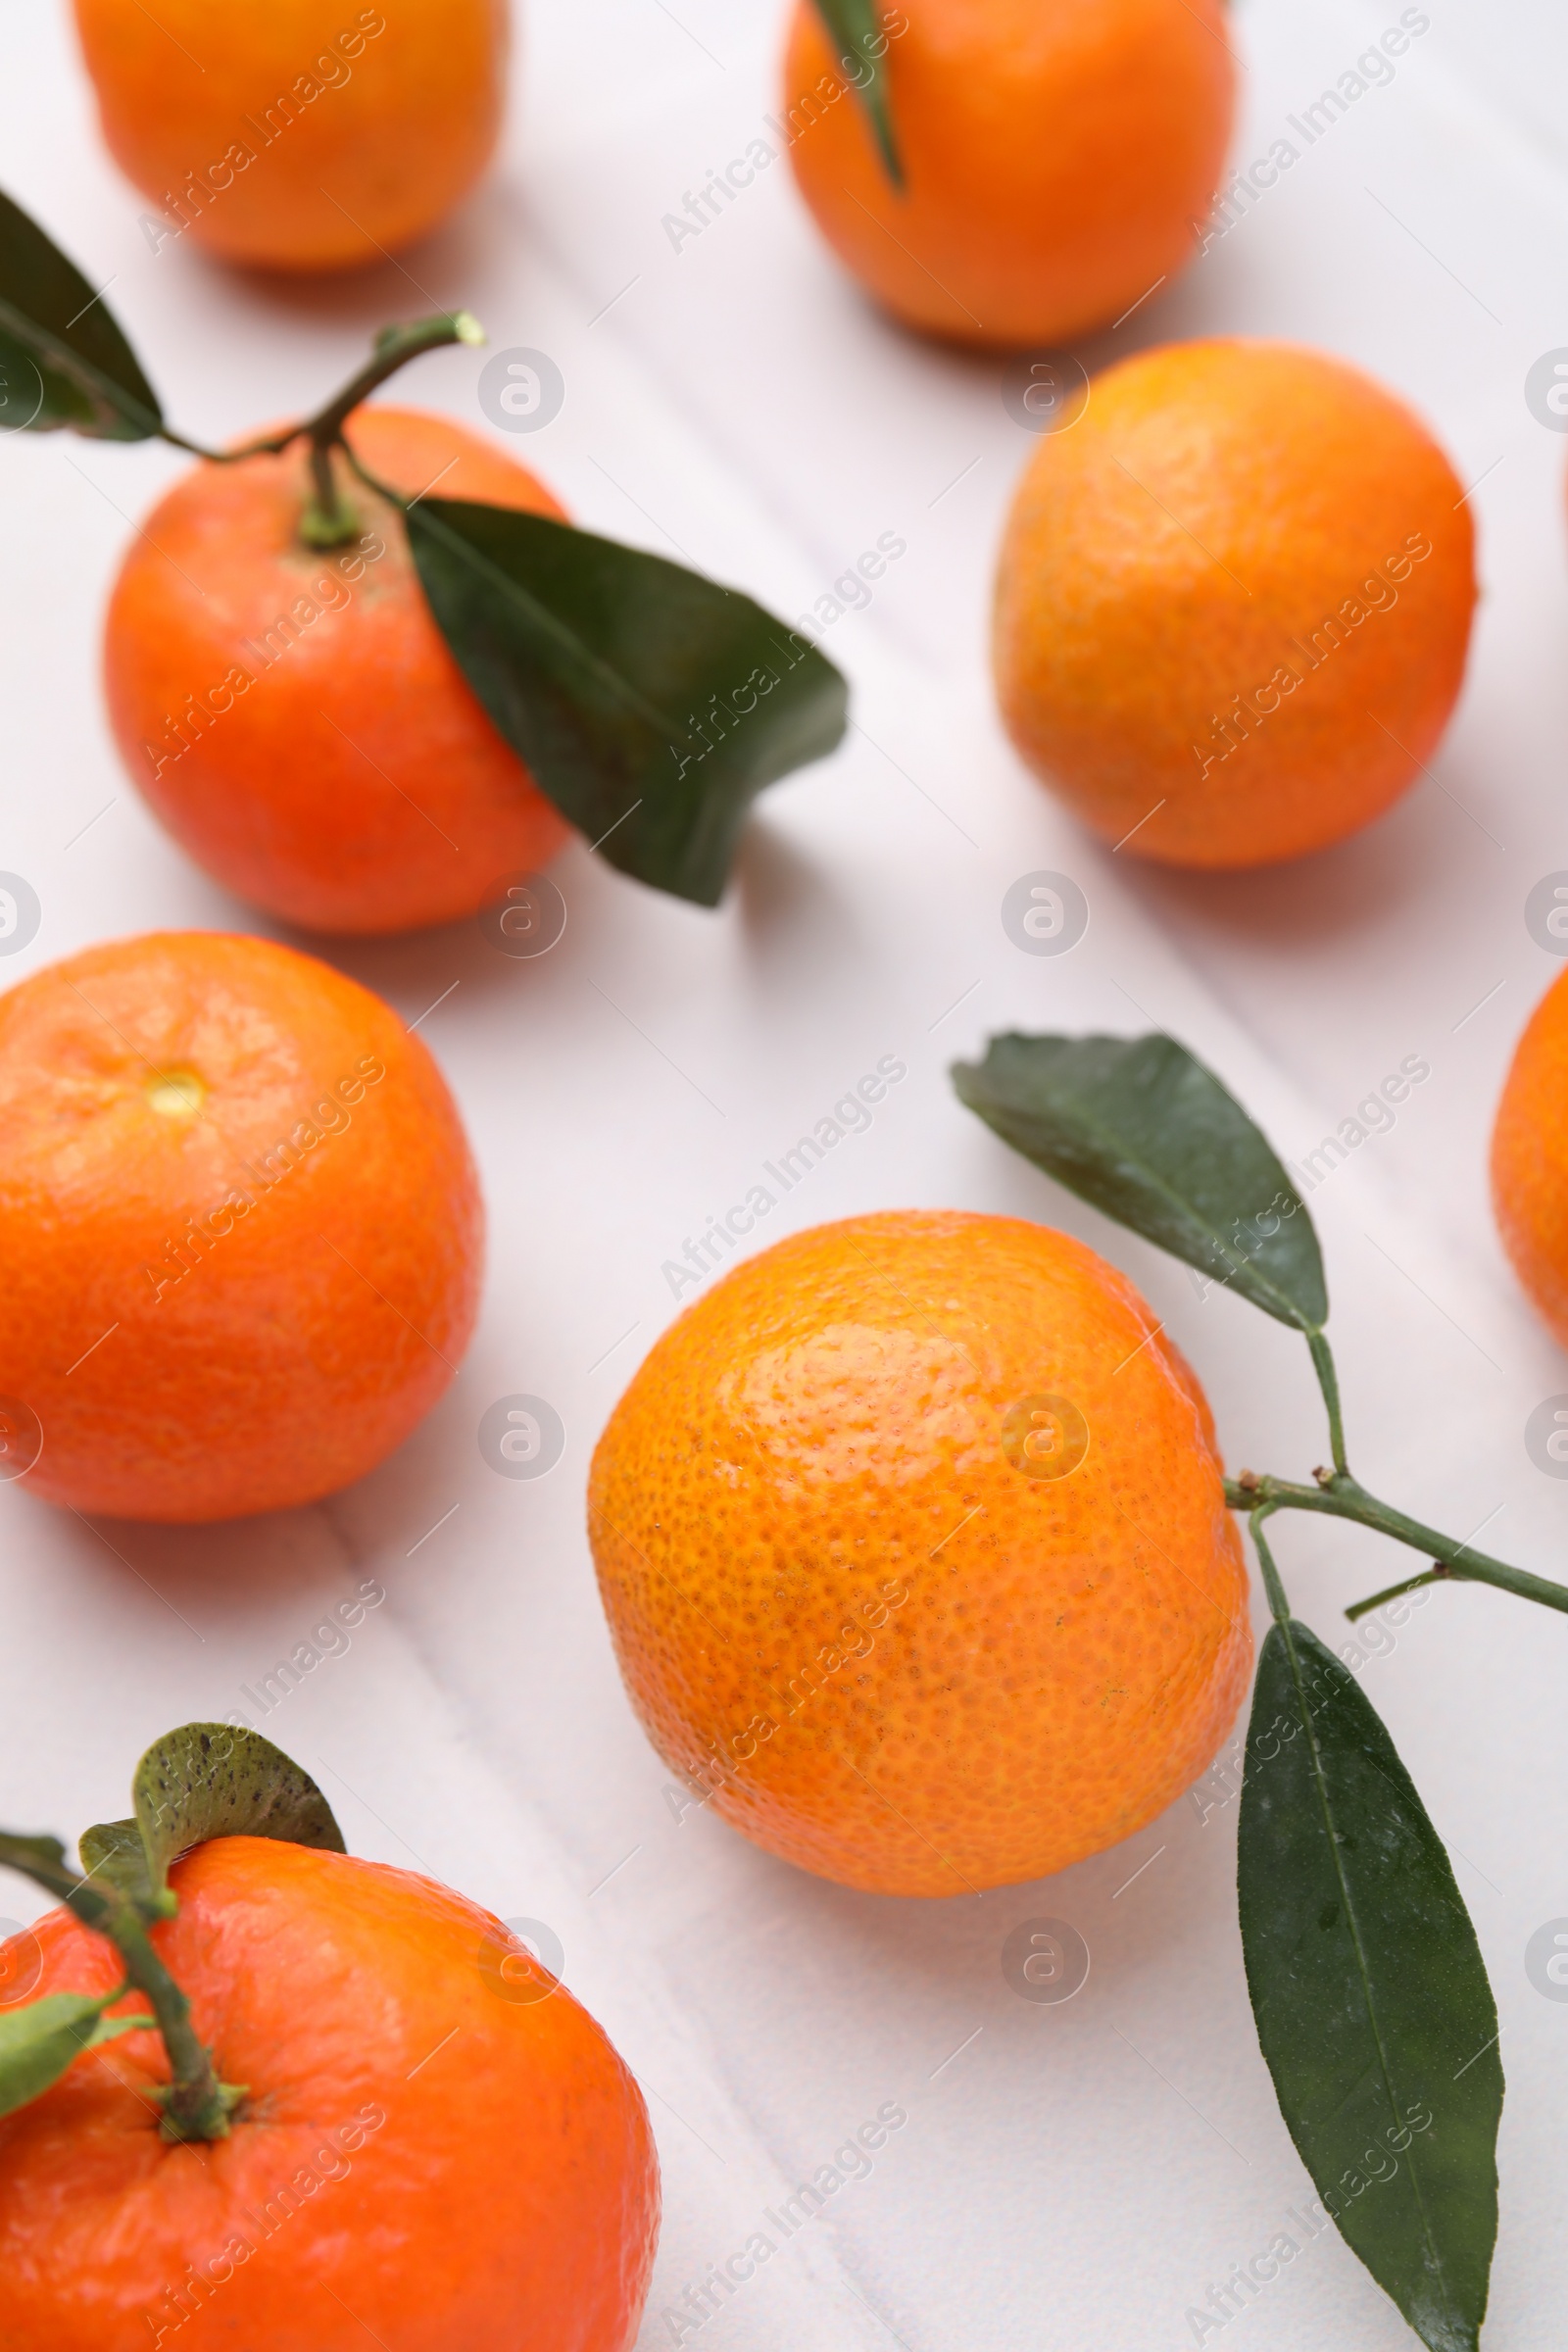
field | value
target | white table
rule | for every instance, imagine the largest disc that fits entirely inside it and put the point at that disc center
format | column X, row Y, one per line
column 1074, row 2177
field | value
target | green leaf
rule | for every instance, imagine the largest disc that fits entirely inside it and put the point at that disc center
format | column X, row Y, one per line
column 213, row 1780
column 31, row 1855
column 855, row 25
column 650, row 704
column 63, row 357
column 1143, row 1131
column 113, row 1852
column 43, row 1860
column 39, row 2042
column 1367, row 1983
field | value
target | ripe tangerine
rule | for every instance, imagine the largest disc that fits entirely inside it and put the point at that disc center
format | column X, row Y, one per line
column 296, row 717
column 241, row 1228
column 1233, row 604
column 432, row 2152
column 300, row 135
column 913, row 1544
column 1529, row 1160
column 1056, row 159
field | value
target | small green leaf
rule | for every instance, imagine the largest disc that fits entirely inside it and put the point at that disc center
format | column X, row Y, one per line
column 650, row 704
column 1371, row 1997
column 63, row 357
column 113, row 1854
column 213, row 1780
column 1142, row 1130
column 855, row 25
column 39, row 2042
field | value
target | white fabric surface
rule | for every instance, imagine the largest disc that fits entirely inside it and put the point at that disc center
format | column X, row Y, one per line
column 1075, row 2176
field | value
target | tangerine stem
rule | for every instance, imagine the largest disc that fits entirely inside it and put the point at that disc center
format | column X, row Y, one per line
column 395, row 345
column 1342, row 1496
column 329, row 518
column 196, row 2104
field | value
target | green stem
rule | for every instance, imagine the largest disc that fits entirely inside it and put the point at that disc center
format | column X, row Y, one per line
column 1340, row 1497
column 1328, row 1380
column 196, row 2105
column 329, row 518
column 394, row 498
column 1272, row 1585
column 1437, row 1574
column 395, row 345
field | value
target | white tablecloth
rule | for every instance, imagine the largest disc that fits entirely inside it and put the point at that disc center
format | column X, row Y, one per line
column 1068, row 2177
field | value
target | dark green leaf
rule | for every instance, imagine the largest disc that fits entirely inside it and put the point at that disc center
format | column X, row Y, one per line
column 862, row 44
column 212, row 1780
column 1371, row 1998
column 651, row 704
column 63, row 358
column 38, row 2043
column 1143, row 1131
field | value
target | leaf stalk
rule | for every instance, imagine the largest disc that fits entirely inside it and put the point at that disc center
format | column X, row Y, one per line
column 1328, row 1380
column 1273, row 1585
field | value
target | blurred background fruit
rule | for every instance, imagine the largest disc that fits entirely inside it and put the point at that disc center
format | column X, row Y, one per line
column 914, row 1544
column 240, row 1223
column 1530, row 1159
column 1056, row 154
column 1232, row 603
column 295, row 717
column 306, row 135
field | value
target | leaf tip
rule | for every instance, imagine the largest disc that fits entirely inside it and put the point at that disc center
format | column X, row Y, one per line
column 891, row 158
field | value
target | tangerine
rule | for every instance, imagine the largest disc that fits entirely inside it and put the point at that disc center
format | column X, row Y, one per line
column 240, row 1223
column 301, row 135
column 1529, row 1160
column 296, row 717
column 914, row 1544
column 1056, row 159
column 430, row 2153
column 1233, row 604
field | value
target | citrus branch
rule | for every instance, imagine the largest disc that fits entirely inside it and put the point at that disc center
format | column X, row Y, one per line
column 1439, row 1573
column 1338, row 1495
column 395, row 345
column 329, row 519
column 196, row 2105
